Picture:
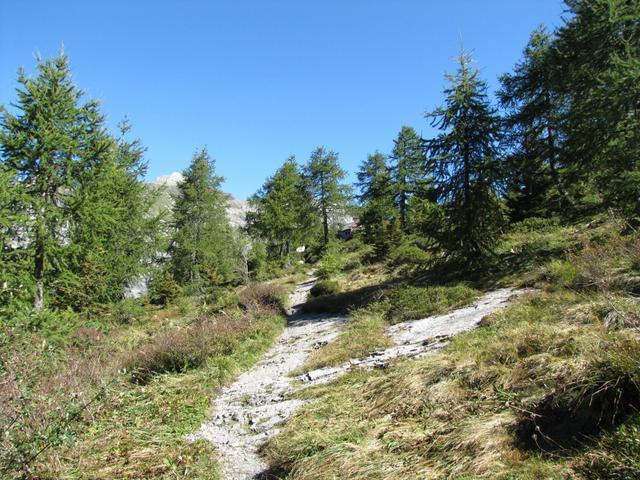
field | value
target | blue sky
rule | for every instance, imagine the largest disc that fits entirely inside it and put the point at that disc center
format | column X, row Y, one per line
column 256, row 81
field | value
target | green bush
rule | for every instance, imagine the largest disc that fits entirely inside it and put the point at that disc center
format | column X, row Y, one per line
column 325, row 287
column 163, row 288
column 409, row 254
column 331, row 263
column 560, row 273
column 535, row 224
column 54, row 325
column 410, row 303
column 127, row 311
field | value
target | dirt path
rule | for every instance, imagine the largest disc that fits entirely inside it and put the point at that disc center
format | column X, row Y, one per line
column 250, row 410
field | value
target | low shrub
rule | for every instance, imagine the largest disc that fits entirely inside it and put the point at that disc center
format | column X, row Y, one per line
column 344, row 302
column 410, row 303
column 535, row 224
column 183, row 349
column 331, row 263
column 127, row 311
column 561, row 273
column 257, row 297
column 325, row 287
column 409, row 254
column 163, row 288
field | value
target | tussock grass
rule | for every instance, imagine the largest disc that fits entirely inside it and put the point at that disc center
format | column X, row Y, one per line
column 363, row 334
column 411, row 303
column 324, row 287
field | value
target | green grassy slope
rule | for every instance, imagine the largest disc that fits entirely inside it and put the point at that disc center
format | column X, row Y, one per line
column 547, row 388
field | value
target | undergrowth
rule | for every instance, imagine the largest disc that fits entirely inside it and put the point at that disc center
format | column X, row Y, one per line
column 112, row 396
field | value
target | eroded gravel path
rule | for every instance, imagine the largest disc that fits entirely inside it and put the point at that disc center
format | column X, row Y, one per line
column 249, row 411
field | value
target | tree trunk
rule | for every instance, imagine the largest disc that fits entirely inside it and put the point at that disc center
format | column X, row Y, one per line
column 38, row 273
column 325, row 225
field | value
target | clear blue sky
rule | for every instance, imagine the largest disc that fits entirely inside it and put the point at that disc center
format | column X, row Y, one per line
column 256, row 81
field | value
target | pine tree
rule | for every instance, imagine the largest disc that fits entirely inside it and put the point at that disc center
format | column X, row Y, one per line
column 329, row 194
column 466, row 164
column 376, row 199
column 408, row 171
column 283, row 213
column 534, row 125
column 44, row 146
column 202, row 251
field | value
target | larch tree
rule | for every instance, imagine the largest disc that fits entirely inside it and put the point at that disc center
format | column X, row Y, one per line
column 408, row 167
column 330, row 195
column 597, row 64
column 202, row 251
column 466, row 164
column 113, row 234
column 534, row 122
column 283, row 212
column 44, row 144
column 376, row 199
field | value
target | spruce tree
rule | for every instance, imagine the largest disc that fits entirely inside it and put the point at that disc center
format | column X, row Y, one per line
column 330, row 196
column 466, row 165
column 283, row 213
column 202, row 252
column 44, row 145
column 377, row 200
column 408, row 168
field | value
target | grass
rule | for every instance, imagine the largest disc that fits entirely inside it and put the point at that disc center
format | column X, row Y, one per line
column 411, row 303
column 71, row 393
column 546, row 388
column 472, row 411
column 363, row 334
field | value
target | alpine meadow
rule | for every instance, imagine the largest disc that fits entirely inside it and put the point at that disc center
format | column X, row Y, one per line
column 464, row 304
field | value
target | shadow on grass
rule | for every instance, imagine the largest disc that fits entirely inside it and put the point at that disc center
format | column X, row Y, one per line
column 346, row 301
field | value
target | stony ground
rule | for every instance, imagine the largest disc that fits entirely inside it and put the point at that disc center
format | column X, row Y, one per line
column 249, row 411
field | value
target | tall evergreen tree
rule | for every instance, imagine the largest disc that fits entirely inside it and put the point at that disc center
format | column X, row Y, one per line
column 466, row 164
column 112, row 234
column 330, row 195
column 44, row 145
column 201, row 249
column 408, row 171
column 376, row 199
column 597, row 65
column 534, row 130
column 283, row 213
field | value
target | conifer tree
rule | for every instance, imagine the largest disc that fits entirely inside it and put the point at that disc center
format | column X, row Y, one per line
column 466, row 164
column 201, row 250
column 376, row 200
column 113, row 234
column 597, row 65
column 330, row 196
column 283, row 213
column 534, row 125
column 44, row 145
column 408, row 168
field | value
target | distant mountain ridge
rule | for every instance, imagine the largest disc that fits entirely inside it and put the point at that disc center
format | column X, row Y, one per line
column 236, row 208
